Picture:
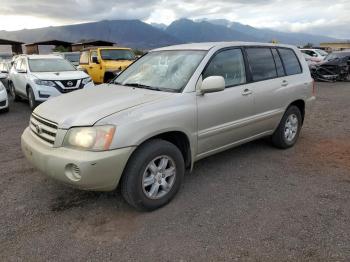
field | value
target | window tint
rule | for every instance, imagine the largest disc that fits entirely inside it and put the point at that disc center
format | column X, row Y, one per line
column 228, row 64
column 290, row 61
column 23, row 65
column 84, row 57
column 261, row 63
column 18, row 63
column 278, row 62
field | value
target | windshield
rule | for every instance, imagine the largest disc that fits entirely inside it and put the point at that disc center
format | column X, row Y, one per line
column 162, row 70
column 50, row 65
column 115, row 54
column 72, row 57
column 333, row 56
column 321, row 52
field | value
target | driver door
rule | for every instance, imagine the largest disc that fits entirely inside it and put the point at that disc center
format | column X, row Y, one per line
column 223, row 117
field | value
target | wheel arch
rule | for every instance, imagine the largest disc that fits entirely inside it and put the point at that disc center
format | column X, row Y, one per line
column 300, row 104
column 180, row 140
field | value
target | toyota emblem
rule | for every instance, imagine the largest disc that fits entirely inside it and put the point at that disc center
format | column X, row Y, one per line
column 38, row 129
column 70, row 83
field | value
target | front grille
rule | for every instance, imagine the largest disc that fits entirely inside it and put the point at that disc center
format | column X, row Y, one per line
column 66, row 86
column 43, row 129
column 69, row 83
column 3, row 103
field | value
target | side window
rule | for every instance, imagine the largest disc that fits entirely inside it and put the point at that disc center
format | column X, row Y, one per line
column 290, row 61
column 17, row 65
column 23, row 65
column 262, row 65
column 93, row 54
column 84, row 57
column 228, row 64
column 278, row 62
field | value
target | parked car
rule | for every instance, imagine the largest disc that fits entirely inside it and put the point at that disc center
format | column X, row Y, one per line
column 5, row 56
column 169, row 109
column 72, row 57
column 5, row 67
column 311, row 61
column 40, row 77
column 335, row 67
column 4, row 103
column 104, row 63
column 318, row 54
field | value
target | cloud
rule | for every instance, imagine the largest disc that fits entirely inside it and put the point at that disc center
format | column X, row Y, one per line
column 312, row 16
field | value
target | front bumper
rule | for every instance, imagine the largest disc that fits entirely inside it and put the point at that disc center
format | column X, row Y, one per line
column 3, row 99
column 99, row 171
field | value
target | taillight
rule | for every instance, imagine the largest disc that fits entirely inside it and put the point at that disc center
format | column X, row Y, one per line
column 313, row 88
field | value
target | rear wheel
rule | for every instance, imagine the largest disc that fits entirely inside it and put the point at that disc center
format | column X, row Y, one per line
column 31, row 98
column 153, row 175
column 12, row 88
column 287, row 133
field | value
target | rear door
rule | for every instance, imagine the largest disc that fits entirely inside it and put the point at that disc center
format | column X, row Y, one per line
column 269, row 86
column 223, row 117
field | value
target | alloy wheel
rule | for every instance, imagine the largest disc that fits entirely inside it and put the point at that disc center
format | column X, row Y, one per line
column 159, row 177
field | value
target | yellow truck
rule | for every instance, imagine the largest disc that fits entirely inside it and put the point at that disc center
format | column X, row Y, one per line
column 104, row 63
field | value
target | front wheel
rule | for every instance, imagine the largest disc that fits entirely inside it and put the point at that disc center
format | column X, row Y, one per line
column 153, row 175
column 12, row 88
column 31, row 98
column 287, row 133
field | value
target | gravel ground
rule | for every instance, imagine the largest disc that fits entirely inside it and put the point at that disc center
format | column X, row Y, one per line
column 251, row 203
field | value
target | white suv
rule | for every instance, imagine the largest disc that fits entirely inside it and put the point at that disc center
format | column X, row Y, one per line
column 39, row 77
column 318, row 55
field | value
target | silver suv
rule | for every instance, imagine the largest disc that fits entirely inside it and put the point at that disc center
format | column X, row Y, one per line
column 169, row 109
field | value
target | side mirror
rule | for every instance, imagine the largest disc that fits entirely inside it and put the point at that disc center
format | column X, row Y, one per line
column 314, row 55
column 212, row 84
column 95, row 60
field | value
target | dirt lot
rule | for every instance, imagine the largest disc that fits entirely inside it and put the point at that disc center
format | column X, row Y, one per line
column 252, row 203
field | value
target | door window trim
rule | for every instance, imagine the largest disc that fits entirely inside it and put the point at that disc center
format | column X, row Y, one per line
column 228, row 49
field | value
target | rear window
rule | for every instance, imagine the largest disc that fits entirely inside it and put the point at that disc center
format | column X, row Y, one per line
column 262, row 64
column 290, row 61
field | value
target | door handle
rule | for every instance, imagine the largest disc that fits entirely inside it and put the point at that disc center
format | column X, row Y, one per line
column 284, row 83
column 247, row 92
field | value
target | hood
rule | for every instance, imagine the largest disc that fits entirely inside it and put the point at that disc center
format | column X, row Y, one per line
column 68, row 75
column 87, row 106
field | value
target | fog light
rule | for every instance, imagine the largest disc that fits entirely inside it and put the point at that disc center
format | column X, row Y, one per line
column 73, row 172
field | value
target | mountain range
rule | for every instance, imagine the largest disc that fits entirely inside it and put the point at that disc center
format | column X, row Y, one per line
column 137, row 34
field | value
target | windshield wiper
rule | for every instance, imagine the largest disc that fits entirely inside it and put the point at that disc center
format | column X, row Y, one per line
column 142, row 86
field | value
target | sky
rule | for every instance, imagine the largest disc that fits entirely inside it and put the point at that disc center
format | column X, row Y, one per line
column 323, row 17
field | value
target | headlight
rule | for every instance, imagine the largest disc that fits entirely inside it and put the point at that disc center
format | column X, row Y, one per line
column 96, row 138
column 44, row 82
column 86, row 80
column 2, row 88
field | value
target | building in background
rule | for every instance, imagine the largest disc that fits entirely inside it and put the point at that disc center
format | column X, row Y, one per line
column 336, row 46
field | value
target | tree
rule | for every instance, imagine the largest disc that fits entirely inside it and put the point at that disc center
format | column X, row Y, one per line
column 138, row 52
column 60, row 49
column 309, row 45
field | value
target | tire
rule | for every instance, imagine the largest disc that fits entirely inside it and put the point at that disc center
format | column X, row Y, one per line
column 5, row 110
column 287, row 133
column 31, row 99
column 12, row 88
column 138, row 173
